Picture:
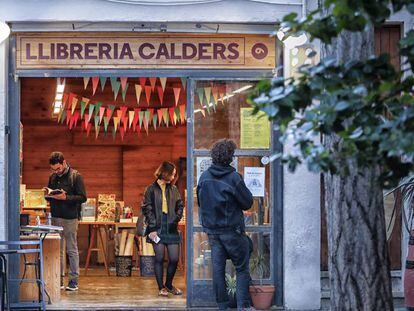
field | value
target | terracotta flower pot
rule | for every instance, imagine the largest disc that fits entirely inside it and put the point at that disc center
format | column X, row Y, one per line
column 262, row 296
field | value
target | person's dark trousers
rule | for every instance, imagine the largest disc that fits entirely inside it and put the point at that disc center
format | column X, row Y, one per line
column 235, row 246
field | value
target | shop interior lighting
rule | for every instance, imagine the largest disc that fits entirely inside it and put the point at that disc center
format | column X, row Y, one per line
column 60, row 88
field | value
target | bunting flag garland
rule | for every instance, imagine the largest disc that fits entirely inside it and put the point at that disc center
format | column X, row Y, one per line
column 64, row 100
column 146, row 121
column 122, row 131
column 115, row 89
column 116, row 122
column 95, row 81
column 124, row 92
column 153, row 81
column 171, row 112
column 63, row 117
column 142, row 82
column 123, row 82
column 85, row 82
column 75, row 118
column 141, row 118
column 114, row 133
column 123, row 112
column 203, row 112
column 98, row 106
column 101, row 113
column 125, row 123
column 200, row 93
column 182, row 112
column 154, row 121
column 110, row 111
column 163, row 82
column 147, row 116
column 177, row 91
column 151, row 114
column 222, row 92
column 207, row 91
column 177, row 116
column 113, row 81
column 86, row 121
column 165, row 116
column 103, row 82
column 84, row 103
column 91, row 108
column 74, row 104
column 131, row 115
column 215, row 93
column 148, row 93
column 97, row 127
column 138, row 90
column 135, row 121
column 184, row 83
column 160, row 114
column 68, row 116
column 160, row 94
column 70, row 100
column 106, row 124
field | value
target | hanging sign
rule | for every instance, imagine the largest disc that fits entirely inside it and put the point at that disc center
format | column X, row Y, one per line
column 152, row 50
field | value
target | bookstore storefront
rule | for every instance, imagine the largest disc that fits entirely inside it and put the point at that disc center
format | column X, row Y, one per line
column 117, row 105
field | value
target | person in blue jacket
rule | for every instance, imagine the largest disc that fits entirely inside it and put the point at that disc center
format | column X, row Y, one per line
column 222, row 197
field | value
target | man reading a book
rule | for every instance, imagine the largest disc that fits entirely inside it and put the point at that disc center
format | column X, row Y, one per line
column 66, row 192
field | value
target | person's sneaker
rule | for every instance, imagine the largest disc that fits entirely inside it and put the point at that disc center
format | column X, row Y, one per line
column 175, row 291
column 163, row 292
column 72, row 286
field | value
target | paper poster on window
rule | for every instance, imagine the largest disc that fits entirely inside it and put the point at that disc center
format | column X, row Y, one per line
column 203, row 163
column 254, row 130
column 254, row 178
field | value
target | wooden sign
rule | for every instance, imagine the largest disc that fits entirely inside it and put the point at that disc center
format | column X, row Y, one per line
column 133, row 51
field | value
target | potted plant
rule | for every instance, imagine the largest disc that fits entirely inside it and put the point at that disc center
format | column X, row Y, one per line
column 262, row 295
column 231, row 290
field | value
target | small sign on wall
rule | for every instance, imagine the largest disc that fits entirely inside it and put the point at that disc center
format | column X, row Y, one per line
column 254, row 178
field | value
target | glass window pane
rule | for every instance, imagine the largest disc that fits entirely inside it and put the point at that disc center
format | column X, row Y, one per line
column 221, row 111
column 202, row 257
column 260, row 212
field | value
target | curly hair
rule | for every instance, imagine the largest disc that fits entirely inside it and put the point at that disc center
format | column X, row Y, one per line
column 56, row 157
column 222, row 151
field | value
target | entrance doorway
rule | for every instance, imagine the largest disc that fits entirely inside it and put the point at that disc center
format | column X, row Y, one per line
column 115, row 131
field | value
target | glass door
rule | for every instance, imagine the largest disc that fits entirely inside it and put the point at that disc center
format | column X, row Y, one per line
column 219, row 109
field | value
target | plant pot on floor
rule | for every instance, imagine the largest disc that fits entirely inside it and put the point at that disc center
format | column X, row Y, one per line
column 262, row 296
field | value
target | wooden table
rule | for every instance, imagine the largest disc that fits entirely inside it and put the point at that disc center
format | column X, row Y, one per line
column 96, row 225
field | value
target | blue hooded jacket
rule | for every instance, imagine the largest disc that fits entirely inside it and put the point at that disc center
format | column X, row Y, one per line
column 222, row 197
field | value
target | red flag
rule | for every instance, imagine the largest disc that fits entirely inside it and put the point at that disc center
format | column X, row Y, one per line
column 76, row 118
column 95, row 81
column 64, row 100
column 151, row 111
column 159, row 113
column 135, row 121
column 123, row 112
column 86, row 121
column 123, row 82
column 176, row 94
column 119, row 114
column 148, row 93
column 142, row 81
column 101, row 114
column 160, row 94
column 182, row 113
column 153, row 81
column 68, row 116
column 171, row 112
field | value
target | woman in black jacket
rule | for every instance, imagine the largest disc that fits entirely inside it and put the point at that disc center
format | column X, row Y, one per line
column 163, row 209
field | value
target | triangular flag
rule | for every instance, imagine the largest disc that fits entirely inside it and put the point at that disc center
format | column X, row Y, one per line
column 141, row 118
column 91, row 108
column 75, row 118
column 147, row 116
column 63, row 117
column 160, row 94
column 131, row 115
column 215, row 93
column 142, row 82
column 70, row 100
column 123, row 112
column 116, row 87
column 60, row 114
column 95, row 81
column 200, row 92
column 68, row 116
column 135, row 121
column 103, row 81
column 182, row 113
column 122, row 131
column 184, row 83
column 97, row 127
column 146, row 122
column 207, row 91
column 106, row 124
column 88, row 130
column 116, row 122
column 110, row 111
column 160, row 114
column 165, row 116
column 86, row 121
column 98, row 106
column 151, row 113
column 124, row 92
column 153, row 81
column 163, row 82
column 84, row 104
column 101, row 114
column 177, row 91
column 74, row 104
column 125, row 123
column 148, row 93
column 203, row 112
column 113, row 82
column 171, row 112
column 123, row 82
column 154, row 121
column 177, row 116
column 138, row 90
column 85, row 82
column 64, row 100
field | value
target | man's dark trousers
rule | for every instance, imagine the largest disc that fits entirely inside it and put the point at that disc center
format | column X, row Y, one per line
column 233, row 245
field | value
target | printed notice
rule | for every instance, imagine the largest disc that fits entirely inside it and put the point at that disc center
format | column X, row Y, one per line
column 254, row 178
column 254, row 130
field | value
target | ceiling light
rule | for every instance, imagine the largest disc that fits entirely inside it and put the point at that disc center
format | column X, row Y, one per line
column 246, row 87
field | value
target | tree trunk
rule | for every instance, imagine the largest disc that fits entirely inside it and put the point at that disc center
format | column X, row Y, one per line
column 358, row 254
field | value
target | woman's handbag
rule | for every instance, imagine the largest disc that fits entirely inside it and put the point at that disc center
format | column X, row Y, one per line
column 141, row 226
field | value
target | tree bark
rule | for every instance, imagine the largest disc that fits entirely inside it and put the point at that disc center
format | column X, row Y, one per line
column 358, row 254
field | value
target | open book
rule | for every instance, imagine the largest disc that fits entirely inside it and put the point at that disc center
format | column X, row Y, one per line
column 51, row 192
